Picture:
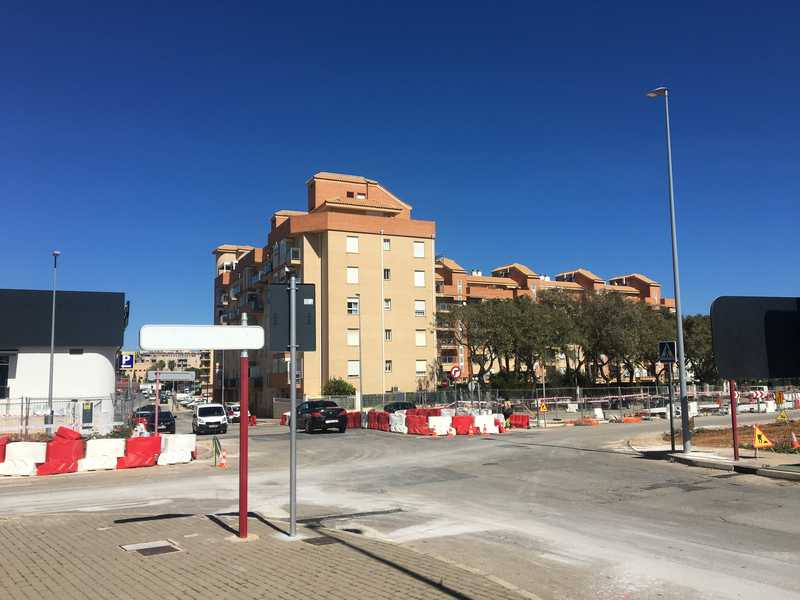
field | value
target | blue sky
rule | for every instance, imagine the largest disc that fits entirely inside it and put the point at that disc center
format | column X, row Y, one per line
column 136, row 137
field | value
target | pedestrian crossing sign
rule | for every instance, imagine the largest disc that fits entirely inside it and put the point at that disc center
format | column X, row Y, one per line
column 666, row 352
column 542, row 407
column 783, row 417
column 759, row 439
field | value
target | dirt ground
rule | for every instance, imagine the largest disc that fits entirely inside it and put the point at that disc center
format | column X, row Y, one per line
column 779, row 433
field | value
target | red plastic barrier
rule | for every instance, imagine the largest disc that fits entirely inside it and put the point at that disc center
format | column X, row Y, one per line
column 383, row 421
column 62, row 456
column 354, row 420
column 3, row 441
column 140, row 452
column 284, row 419
column 417, row 424
column 520, row 421
column 66, row 433
column 463, row 423
column 372, row 419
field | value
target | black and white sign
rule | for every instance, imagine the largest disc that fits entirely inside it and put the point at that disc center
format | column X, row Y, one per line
column 666, row 352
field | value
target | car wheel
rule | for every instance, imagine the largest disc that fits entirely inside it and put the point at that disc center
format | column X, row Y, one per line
column 342, row 429
column 308, row 426
column 172, row 430
column 224, row 430
column 194, row 430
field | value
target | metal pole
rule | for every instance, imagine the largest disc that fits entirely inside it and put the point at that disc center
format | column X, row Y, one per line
column 734, row 425
column 687, row 434
column 244, row 400
column 158, row 402
column 56, row 254
column 360, row 364
column 293, row 402
column 671, row 419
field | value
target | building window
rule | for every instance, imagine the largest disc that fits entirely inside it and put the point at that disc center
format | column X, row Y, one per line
column 387, row 304
column 387, row 244
column 350, row 194
column 420, row 367
column 419, row 249
column 419, row 337
column 361, row 196
column 352, row 337
column 387, row 274
column 387, row 335
column 352, row 306
column 419, row 308
column 352, row 244
column 419, row 278
column 76, row 351
column 387, row 366
column 353, row 368
column 352, row 274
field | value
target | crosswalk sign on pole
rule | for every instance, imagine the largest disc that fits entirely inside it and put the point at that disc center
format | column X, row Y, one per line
column 783, row 417
column 759, row 439
column 666, row 352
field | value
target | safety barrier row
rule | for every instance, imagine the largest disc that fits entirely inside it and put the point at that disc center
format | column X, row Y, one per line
column 68, row 452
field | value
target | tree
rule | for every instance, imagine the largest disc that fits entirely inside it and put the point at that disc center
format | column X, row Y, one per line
column 698, row 349
column 172, row 365
column 470, row 325
column 338, row 387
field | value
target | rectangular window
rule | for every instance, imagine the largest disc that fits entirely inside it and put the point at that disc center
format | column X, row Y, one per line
column 387, row 244
column 419, row 249
column 387, row 304
column 76, row 350
column 350, row 194
column 419, row 278
column 419, row 337
column 420, row 366
column 353, row 368
column 387, row 335
column 387, row 366
column 352, row 274
column 387, row 274
column 419, row 308
column 361, row 196
column 352, row 244
column 352, row 337
column 352, row 306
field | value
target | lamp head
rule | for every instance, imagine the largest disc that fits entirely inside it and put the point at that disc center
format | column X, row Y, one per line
column 659, row 91
column 56, row 253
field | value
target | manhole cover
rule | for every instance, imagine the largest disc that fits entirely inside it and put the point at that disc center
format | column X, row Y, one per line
column 152, row 548
column 321, row 541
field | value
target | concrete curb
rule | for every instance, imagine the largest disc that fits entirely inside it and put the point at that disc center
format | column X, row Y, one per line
column 707, row 463
column 779, row 474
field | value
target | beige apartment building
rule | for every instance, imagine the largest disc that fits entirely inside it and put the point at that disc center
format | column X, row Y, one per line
column 372, row 266
column 173, row 361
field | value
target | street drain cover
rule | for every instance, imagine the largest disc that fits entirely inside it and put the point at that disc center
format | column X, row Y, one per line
column 152, row 548
column 321, row 541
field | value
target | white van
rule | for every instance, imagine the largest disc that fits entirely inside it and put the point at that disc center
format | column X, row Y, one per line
column 209, row 418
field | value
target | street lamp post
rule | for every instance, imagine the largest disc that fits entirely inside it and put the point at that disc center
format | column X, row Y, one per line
column 360, row 366
column 687, row 440
column 56, row 254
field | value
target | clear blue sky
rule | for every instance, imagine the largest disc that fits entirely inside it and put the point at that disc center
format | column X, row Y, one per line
column 136, row 137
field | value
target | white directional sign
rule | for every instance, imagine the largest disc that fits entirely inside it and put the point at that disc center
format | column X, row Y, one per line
column 666, row 352
column 201, row 337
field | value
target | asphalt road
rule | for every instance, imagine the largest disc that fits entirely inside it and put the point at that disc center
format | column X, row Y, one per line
column 562, row 513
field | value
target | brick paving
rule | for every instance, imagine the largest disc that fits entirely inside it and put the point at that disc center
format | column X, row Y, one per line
column 79, row 556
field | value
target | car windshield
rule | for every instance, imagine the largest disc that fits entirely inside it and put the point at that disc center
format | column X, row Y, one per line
column 210, row 411
column 322, row 404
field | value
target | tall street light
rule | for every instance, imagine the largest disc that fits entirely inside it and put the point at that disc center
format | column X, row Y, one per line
column 687, row 440
column 56, row 254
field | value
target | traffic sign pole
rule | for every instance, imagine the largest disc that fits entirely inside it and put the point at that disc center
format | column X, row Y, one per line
column 734, row 425
column 158, row 400
column 671, row 414
column 293, row 402
column 244, row 393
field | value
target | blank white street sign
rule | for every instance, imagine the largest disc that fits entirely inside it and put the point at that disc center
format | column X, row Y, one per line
column 201, row 337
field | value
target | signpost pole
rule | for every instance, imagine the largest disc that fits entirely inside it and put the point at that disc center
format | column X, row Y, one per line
column 158, row 401
column 734, row 427
column 293, row 403
column 244, row 393
column 671, row 414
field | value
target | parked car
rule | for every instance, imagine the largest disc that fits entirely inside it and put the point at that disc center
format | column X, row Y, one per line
column 321, row 414
column 395, row 406
column 166, row 420
column 209, row 418
column 234, row 412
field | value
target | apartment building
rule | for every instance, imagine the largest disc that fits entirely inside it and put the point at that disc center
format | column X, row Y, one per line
column 372, row 265
column 172, row 361
column 454, row 285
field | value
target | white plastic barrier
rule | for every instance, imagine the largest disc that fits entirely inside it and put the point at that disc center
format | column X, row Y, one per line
column 598, row 414
column 440, row 425
column 572, row 407
column 101, row 455
column 397, row 422
column 22, row 458
column 448, row 412
column 173, row 457
column 499, row 417
column 179, row 441
column 486, row 424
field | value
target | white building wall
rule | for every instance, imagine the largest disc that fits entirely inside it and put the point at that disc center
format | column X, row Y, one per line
column 87, row 375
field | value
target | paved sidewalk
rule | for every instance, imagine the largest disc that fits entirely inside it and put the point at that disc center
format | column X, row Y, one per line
column 79, row 556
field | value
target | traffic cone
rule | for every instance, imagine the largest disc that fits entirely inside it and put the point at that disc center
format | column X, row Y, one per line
column 223, row 460
column 485, row 432
column 795, row 443
column 471, row 431
column 451, row 433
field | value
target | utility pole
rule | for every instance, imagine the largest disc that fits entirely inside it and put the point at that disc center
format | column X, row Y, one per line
column 56, row 254
column 293, row 402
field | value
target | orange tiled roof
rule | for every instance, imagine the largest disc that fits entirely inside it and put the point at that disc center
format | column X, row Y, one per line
column 488, row 280
column 622, row 288
column 231, row 248
column 518, row 266
column 341, row 177
column 638, row 276
column 584, row 272
column 450, row 264
column 382, row 203
column 561, row 284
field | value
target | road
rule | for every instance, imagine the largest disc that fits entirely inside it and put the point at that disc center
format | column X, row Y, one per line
column 563, row 513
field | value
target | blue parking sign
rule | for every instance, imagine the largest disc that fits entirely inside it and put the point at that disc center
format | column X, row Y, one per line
column 126, row 361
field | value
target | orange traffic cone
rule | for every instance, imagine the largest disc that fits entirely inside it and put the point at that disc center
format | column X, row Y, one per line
column 795, row 443
column 471, row 431
column 485, row 432
column 223, row 460
column 451, row 433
